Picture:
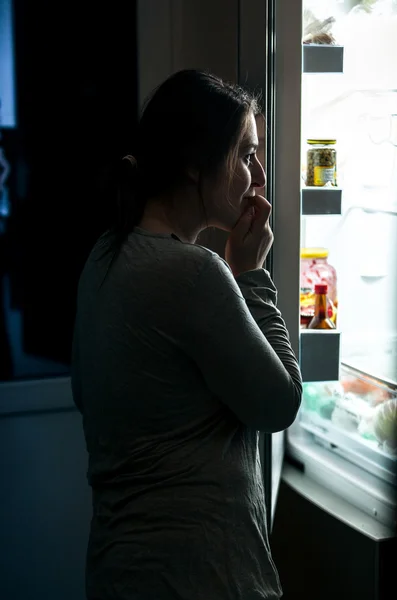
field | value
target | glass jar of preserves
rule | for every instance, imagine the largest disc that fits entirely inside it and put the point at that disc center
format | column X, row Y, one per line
column 321, row 163
column 315, row 269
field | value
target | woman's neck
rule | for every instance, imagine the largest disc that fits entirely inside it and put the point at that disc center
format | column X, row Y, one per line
column 159, row 219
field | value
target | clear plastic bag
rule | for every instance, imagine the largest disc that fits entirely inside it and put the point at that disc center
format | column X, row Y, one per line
column 317, row 31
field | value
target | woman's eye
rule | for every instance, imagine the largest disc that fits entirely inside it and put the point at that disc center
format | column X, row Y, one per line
column 249, row 158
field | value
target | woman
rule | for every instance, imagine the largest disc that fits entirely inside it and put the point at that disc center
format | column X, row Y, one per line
column 180, row 358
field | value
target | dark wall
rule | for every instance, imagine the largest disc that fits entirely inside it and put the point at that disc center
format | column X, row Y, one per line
column 77, row 111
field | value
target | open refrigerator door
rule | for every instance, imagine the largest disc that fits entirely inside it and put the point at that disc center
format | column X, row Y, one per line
column 346, row 432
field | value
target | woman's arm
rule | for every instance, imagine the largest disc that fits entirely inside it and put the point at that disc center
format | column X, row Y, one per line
column 237, row 337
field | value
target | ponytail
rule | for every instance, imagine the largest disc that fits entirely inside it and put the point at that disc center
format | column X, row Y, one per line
column 129, row 204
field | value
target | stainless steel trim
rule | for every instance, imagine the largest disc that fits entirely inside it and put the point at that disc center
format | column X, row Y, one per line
column 287, row 209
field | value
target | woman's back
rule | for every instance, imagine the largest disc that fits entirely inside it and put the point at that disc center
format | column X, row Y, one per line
column 177, row 487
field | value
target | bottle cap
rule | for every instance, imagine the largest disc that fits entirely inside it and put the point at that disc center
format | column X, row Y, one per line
column 326, row 142
column 320, row 288
column 314, row 253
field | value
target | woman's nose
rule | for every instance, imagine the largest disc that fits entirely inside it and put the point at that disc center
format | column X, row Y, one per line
column 258, row 174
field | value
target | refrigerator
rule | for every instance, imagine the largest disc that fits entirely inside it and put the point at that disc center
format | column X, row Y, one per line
column 345, row 436
column 345, row 90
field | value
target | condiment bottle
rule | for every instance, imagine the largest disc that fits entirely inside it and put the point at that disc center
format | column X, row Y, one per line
column 321, row 319
column 315, row 268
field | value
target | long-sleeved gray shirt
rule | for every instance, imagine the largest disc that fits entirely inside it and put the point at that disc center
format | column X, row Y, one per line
column 176, row 367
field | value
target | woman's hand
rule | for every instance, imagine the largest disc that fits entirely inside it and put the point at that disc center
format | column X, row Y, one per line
column 251, row 238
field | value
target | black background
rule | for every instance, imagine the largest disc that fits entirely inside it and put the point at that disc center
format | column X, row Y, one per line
column 77, row 108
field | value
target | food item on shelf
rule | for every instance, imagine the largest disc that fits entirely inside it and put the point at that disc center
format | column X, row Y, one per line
column 310, row 396
column 357, row 385
column 316, row 31
column 321, row 397
column 385, row 424
column 315, row 268
column 319, row 38
column 306, row 306
column 366, row 428
column 367, row 387
column 352, row 406
column 349, row 411
column 320, row 319
column 375, row 422
column 321, row 163
column 327, row 407
column 379, row 396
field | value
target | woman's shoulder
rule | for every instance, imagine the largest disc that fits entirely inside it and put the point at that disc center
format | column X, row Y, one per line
column 203, row 259
column 162, row 258
column 168, row 251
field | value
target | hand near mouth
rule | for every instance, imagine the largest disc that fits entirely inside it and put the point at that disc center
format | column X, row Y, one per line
column 251, row 238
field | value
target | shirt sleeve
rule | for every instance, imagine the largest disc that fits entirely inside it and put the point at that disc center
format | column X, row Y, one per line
column 237, row 337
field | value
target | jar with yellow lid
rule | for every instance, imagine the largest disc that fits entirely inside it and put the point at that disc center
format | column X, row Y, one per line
column 321, row 162
column 315, row 269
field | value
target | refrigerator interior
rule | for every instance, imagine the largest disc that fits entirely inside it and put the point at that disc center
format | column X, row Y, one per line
column 354, row 415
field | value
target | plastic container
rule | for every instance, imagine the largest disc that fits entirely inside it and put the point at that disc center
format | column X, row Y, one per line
column 315, row 269
column 321, row 163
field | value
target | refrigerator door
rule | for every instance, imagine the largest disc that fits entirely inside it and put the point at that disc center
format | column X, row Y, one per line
column 343, row 436
column 284, row 69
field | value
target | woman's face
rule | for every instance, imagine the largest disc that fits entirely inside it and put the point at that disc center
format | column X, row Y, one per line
column 226, row 201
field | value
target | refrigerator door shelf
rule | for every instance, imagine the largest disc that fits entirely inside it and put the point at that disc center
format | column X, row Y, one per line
column 319, row 58
column 360, row 488
column 351, row 446
column 319, row 355
column 321, row 201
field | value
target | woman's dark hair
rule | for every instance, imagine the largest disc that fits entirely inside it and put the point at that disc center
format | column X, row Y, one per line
column 193, row 120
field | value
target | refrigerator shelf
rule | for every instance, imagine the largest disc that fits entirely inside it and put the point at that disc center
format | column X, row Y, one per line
column 351, row 445
column 319, row 355
column 319, row 58
column 321, row 200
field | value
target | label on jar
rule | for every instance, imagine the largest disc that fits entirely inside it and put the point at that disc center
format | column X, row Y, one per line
column 323, row 175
